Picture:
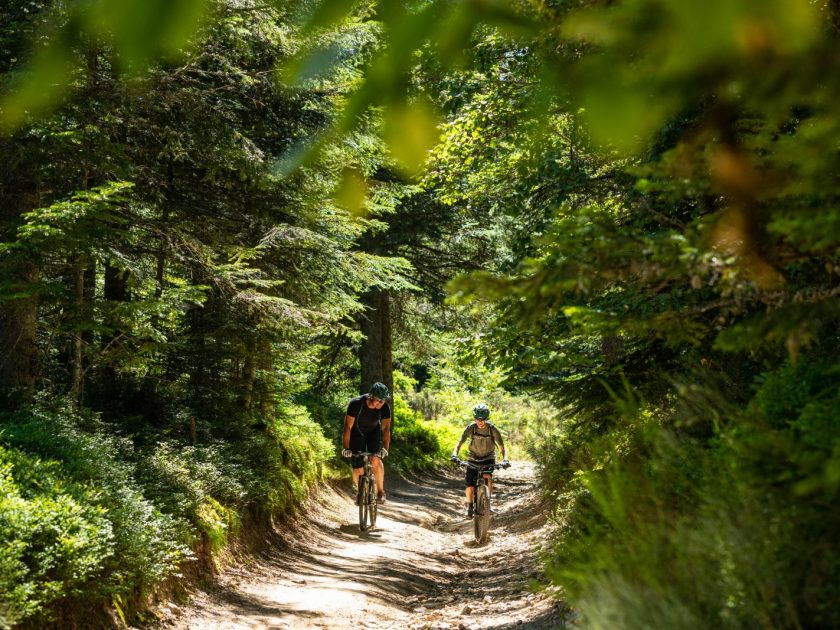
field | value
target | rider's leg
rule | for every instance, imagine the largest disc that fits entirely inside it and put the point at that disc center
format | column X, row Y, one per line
column 357, row 472
column 357, row 444
column 378, row 472
column 489, row 479
column 470, row 491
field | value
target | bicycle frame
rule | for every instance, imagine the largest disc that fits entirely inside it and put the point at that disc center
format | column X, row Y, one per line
column 366, row 493
column 481, row 498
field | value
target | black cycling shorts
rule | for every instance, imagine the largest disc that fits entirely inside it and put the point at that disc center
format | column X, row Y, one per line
column 360, row 442
column 472, row 473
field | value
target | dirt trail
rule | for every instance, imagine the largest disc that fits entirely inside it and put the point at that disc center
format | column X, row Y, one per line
column 419, row 568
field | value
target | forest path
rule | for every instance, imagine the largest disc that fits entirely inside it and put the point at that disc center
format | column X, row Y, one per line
column 419, row 568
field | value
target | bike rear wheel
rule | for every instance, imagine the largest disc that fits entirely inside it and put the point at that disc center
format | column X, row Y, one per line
column 364, row 504
column 481, row 520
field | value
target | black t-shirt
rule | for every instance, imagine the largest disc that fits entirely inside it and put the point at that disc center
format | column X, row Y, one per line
column 367, row 419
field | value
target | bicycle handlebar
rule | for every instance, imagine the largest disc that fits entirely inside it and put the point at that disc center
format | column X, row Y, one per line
column 467, row 464
column 360, row 454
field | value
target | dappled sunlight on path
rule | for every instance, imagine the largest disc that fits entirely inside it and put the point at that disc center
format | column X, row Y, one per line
column 419, row 568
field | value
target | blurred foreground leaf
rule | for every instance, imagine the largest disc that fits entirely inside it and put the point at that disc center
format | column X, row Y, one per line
column 411, row 130
column 351, row 193
column 138, row 32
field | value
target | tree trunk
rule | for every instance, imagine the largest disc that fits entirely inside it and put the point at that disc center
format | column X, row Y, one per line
column 267, row 382
column 115, row 289
column 196, row 347
column 76, row 341
column 375, row 352
column 18, row 328
column 257, row 381
column 116, row 284
column 160, row 268
column 89, row 295
column 249, row 375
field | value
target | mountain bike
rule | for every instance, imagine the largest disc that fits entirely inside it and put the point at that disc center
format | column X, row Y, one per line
column 366, row 494
column 481, row 498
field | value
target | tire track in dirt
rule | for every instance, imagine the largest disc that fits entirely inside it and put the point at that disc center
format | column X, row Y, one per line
column 419, row 568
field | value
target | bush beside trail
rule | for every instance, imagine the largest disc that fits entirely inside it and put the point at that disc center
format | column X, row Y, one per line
column 728, row 522
column 92, row 520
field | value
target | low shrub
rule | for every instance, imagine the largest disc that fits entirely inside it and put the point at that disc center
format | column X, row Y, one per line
column 75, row 521
column 419, row 443
column 86, row 515
column 55, row 537
column 291, row 457
column 736, row 530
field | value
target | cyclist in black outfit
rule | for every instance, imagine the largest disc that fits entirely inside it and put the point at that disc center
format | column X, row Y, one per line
column 367, row 427
column 483, row 437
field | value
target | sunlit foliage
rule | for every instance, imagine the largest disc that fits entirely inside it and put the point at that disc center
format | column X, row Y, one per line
column 643, row 192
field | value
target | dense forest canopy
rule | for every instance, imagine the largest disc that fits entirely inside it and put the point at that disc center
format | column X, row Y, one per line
column 221, row 219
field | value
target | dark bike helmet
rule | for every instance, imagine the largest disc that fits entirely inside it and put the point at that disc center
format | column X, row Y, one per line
column 380, row 391
column 481, row 411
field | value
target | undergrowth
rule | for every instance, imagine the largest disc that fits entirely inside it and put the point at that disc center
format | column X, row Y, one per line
column 731, row 524
column 88, row 515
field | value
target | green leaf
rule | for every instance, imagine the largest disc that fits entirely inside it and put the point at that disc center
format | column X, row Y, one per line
column 351, row 193
column 411, row 131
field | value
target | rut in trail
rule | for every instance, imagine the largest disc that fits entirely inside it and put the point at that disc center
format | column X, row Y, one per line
column 419, row 568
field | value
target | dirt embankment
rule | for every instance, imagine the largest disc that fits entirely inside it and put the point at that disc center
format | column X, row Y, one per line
column 419, row 568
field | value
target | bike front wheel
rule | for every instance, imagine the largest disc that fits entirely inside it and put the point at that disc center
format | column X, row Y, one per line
column 371, row 499
column 481, row 520
column 364, row 503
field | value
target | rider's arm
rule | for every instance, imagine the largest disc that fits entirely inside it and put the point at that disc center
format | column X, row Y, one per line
column 457, row 448
column 386, row 433
column 497, row 437
column 348, row 425
column 460, row 442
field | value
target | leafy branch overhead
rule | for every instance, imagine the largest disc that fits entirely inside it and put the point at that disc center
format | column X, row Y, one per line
column 617, row 222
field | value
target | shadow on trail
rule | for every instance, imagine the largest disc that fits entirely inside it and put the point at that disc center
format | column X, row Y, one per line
column 322, row 571
column 353, row 531
column 384, row 579
column 548, row 619
column 256, row 605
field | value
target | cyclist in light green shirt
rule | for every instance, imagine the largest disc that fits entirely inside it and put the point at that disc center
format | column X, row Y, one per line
column 483, row 437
